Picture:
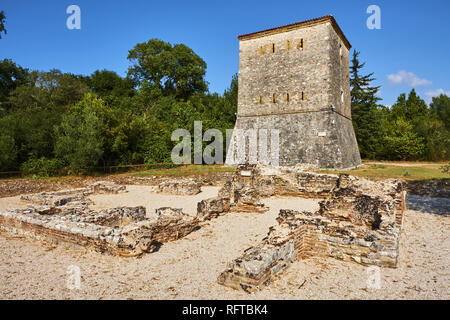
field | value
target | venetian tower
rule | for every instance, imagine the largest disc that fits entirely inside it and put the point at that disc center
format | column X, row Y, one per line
column 295, row 78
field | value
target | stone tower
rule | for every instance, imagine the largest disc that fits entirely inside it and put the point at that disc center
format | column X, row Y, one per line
column 295, row 78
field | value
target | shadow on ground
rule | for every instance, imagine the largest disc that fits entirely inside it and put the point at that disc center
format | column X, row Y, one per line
column 435, row 205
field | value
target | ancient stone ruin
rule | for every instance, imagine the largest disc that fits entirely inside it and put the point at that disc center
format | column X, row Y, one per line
column 65, row 216
column 244, row 190
column 179, row 187
column 359, row 221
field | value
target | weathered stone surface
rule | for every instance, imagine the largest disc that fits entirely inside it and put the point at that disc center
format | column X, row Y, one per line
column 244, row 190
column 180, row 187
column 315, row 119
column 107, row 187
column 167, row 213
column 212, row 207
column 73, row 197
column 126, row 231
column 360, row 221
column 293, row 181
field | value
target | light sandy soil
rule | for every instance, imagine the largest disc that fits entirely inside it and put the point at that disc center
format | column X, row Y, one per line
column 188, row 268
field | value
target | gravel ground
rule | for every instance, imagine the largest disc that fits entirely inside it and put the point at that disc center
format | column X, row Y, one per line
column 188, row 268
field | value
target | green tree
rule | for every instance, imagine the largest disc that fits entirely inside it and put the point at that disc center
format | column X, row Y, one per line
column 11, row 76
column 416, row 108
column 440, row 108
column 8, row 152
column 83, row 132
column 402, row 143
column 106, row 83
column 366, row 116
column 49, row 90
column 2, row 23
column 160, row 67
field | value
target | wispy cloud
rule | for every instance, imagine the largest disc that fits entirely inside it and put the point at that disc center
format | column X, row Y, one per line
column 408, row 78
column 434, row 93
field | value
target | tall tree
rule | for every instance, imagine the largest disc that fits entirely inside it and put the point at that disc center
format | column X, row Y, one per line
column 2, row 23
column 159, row 66
column 402, row 143
column 415, row 107
column 11, row 76
column 105, row 83
column 440, row 108
column 365, row 113
column 83, row 133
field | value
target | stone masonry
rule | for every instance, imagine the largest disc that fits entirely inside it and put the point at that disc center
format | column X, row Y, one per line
column 295, row 79
column 360, row 222
column 65, row 217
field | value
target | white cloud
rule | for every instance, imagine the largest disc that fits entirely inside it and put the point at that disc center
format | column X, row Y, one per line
column 434, row 93
column 408, row 78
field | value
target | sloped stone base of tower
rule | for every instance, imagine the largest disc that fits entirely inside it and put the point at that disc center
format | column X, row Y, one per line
column 324, row 139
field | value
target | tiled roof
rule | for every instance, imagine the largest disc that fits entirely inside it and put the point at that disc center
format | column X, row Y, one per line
column 298, row 25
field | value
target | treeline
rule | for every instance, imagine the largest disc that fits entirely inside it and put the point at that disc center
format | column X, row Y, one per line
column 54, row 120
column 408, row 130
column 60, row 121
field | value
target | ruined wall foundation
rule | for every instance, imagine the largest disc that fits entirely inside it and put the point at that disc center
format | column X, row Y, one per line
column 359, row 222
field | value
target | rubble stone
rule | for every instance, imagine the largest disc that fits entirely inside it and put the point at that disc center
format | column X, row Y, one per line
column 107, row 187
column 213, row 207
column 126, row 231
column 180, row 187
column 360, row 221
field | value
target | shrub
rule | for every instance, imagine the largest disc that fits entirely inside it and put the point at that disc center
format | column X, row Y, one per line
column 42, row 167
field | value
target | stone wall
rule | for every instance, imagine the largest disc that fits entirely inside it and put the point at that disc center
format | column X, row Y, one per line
column 302, row 183
column 65, row 216
column 289, row 80
column 179, row 187
column 360, row 222
column 250, row 183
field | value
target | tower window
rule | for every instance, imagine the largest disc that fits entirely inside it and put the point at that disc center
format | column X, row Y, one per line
column 300, row 44
column 274, row 98
column 302, row 95
column 262, row 50
column 288, row 45
column 287, row 97
column 261, row 100
column 273, row 47
column 342, row 96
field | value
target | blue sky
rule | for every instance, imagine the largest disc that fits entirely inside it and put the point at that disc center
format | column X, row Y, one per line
column 410, row 50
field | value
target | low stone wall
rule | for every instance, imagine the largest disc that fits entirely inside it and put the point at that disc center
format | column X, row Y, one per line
column 307, row 184
column 241, row 193
column 244, row 190
column 121, row 231
column 65, row 216
column 360, row 222
column 179, row 187
column 73, row 197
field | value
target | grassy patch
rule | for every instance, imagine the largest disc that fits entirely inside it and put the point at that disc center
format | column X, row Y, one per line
column 405, row 171
column 185, row 170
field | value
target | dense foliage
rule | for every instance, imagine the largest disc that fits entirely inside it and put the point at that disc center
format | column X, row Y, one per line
column 408, row 130
column 54, row 121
